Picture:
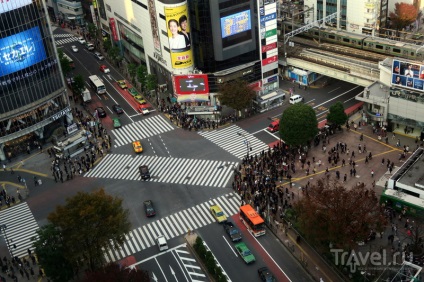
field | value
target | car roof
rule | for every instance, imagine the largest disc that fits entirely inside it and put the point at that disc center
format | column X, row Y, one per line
column 216, row 207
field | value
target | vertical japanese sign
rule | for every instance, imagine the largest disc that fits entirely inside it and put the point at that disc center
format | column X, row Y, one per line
column 154, row 25
column 113, row 29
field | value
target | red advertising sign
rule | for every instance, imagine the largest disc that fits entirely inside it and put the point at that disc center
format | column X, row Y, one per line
column 269, row 47
column 270, row 60
column 191, row 84
column 113, row 29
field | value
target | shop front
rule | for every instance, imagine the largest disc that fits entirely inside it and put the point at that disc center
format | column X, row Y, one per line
column 269, row 101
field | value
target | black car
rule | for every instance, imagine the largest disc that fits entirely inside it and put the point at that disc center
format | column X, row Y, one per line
column 232, row 231
column 148, row 208
column 117, row 109
column 144, row 172
column 101, row 113
column 266, row 275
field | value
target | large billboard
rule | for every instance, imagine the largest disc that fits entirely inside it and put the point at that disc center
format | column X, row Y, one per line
column 179, row 36
column 10, row 5
column 191, row 88
column 21, row 50
column 235, row 23
column 408, row 74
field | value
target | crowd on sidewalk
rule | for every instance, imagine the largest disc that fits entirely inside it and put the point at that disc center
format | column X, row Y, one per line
column 27, row 267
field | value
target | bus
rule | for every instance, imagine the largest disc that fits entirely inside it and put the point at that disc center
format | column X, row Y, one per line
column 251, row 219
column 97, row 84
column 71, row 62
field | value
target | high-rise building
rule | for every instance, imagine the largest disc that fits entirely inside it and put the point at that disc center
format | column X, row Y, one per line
column 33, row 97
column 193, row 47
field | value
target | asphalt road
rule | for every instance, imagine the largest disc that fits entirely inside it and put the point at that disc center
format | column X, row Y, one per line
column 191, row 170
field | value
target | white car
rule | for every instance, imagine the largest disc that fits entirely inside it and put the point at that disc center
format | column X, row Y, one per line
column 145, row 111
column 81, row 40
column 99, row 56
column 74, row 48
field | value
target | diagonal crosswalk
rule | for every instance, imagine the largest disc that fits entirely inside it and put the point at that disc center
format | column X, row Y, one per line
column 173, row 226
column 233, row 140
column 165, row 170
column 141, row 129
column 18, row 227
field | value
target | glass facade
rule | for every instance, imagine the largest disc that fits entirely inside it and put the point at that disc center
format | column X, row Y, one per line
column 32, row 90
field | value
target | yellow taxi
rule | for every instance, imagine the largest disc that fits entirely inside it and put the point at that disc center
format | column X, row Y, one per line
column 218, row 214
column 137, row 146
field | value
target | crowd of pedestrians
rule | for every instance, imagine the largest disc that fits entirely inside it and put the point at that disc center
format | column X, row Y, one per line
column 16, row 268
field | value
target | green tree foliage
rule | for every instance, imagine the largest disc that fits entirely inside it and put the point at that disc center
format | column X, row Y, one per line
column 114, row 53
column 331, row 212
column 298, row 125
column 92, row 29
column 89, row 223
column 78, row 85
column 107, row 44
column 64, row 62
column 337, row 115
column 142, row 75
column 151, row 82
column 132, row 70
column 404, row 15
column 115, row 273
column 50, row 249
column 236, row 94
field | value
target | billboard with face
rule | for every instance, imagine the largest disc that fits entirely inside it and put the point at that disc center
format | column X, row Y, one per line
column 179, row 36
column 408, row 74
column 21, row 50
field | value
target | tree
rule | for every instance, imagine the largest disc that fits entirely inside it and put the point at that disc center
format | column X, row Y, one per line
column 64, row 62
column 132, row 70
column 142, row 75
column 107, row 44
column 298, row 125
column 337, row 115
column 114, row 53
column 79, row 85
column 404, row 15
column 90, row 223
column 92, row 29
column 332, row 213
column 50, row 249
column 115, row 273
column 151, row 82
column 236, row 94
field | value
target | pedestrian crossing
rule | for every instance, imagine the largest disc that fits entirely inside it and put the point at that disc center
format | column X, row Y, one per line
column 190, row 264
column 165, row 170
column 18, row 227
column 173, row 226
column 141, row 129
column 233, row 140
column 61, row 39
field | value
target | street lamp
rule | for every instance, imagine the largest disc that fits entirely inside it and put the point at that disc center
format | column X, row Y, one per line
column 248, row 148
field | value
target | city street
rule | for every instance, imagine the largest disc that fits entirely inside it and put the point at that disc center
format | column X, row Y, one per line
column 190, row 172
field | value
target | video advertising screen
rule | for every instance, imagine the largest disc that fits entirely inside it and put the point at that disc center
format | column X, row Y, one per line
column 235, row 23
column 191, row 84
column 408, row 74
column 21, row 50
column 6, row 6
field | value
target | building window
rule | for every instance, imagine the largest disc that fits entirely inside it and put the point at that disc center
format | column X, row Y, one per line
column 108, row 8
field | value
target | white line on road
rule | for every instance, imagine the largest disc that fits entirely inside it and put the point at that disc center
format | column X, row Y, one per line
column 333, row 90
column 335, row 97
column 349, row 99
column 229, row 245
column 161, row 270
column 179, row 264
column 160, row 254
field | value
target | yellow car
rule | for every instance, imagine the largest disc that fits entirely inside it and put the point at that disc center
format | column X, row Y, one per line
column 137, row 146
column 140, row 99
column 218, row 213
column 122, row 84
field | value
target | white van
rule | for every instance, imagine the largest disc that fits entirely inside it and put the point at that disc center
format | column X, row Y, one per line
column 161, row 242
column 295, row 99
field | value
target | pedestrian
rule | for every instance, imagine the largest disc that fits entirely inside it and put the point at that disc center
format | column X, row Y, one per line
column 372, row 173
column 382, row 161
column 4, row 167
column 345, row 178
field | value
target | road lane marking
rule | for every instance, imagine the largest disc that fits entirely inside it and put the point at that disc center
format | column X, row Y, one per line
column 229, row 245
column 334, row 90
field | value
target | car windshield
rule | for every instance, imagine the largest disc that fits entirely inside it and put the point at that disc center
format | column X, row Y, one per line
column 220, row 213
column 233, row 231
column 246, row 253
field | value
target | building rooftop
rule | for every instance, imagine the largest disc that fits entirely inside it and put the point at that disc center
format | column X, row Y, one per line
column 411, row 173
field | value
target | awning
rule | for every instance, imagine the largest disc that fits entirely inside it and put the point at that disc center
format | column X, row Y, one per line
column 267, row 96
column 299, row 72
